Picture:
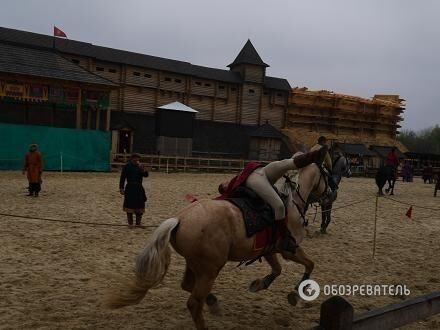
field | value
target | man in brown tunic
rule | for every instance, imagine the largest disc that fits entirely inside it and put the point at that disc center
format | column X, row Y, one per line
column 33, row 167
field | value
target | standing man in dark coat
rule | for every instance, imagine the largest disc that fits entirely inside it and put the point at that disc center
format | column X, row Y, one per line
column 133, row 191
column 33, row 167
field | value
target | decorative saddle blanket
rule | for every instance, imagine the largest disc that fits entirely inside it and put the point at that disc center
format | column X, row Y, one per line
column 258, row 217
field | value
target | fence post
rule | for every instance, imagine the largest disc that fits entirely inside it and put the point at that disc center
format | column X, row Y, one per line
column 336, row 314
column 61, row 162
column 167, row 164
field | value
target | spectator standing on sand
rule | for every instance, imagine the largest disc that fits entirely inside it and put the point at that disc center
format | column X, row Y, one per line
column 133, row 191
column 33, row 167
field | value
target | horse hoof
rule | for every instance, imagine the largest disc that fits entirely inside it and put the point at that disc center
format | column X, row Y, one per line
column 293, row 298
column 213, row 305
column 323, row 231
column 256, row 286
column 211, row 299
column 391, row 194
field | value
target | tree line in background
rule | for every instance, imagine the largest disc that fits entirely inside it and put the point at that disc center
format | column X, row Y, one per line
column 423, row 141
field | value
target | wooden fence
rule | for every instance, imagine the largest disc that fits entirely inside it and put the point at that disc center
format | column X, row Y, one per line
column 185, row 164
column 338, row 314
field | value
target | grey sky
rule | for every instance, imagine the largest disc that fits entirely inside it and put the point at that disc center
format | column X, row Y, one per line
column 355, row 47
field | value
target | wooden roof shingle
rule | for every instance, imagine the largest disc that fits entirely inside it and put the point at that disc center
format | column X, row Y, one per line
column 22, row 60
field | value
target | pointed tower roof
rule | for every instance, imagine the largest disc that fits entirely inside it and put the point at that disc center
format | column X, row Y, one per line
column 248, row 55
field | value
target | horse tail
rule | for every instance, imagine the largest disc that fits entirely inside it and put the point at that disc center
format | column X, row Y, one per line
column 150, row 269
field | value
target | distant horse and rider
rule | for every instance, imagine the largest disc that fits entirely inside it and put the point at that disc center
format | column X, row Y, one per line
column 335, row 170
column 388, row 173
column 209, row 233
column 341, row 167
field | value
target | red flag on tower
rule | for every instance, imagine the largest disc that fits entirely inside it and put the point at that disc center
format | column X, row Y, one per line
column 409, row 212
column 58, row 33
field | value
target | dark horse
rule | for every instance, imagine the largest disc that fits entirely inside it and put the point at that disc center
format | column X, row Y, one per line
column 384, row 174
column 341, row 167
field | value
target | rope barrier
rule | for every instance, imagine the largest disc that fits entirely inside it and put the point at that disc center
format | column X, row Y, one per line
column 155, row 226
column 114, row 224
column 72, row 221
column 410, row 204
column 344, row 206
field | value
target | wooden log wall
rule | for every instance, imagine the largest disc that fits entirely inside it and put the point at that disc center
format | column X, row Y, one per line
column 203, row 104
column 202, row 87
column 138, row 99
column 141, row 77
column 250, row 103
column 143, row 89
column 226, row 109
column 254, row 73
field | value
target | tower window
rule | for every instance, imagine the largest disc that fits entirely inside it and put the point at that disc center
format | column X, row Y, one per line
column 137, row 74
column 147, row 75
column 167, row 79
column 251, row 91
column 233, row 89
column 221, row 87
column 98, row 68
column 112, row 70
column 198, row 83
column 74, row 60
column 177, row 81
column 208, row 85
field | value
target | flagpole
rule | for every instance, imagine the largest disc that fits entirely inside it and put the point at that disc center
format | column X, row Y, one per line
column 53, row 41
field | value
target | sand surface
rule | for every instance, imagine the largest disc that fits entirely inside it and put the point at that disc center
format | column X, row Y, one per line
column 53, row 275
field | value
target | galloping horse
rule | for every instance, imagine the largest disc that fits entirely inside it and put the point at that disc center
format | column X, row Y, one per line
column 208, row 234
column 341, row 167
column 384, row 174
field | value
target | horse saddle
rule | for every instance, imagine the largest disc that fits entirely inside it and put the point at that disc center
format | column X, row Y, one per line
column 257, row 214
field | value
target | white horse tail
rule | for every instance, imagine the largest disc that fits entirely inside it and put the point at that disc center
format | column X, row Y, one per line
column 150, row 269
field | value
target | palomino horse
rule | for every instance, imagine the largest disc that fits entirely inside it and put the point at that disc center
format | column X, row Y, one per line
column 384, row 174
column 208, row 234
column 341, row 167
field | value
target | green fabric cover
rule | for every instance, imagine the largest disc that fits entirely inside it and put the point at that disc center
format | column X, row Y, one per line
column 69, row 149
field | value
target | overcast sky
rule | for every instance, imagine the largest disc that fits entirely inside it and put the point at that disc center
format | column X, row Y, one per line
column 354, row 47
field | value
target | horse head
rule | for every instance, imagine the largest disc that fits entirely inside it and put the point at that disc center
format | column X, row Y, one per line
column 310, row 183
column 341, row 167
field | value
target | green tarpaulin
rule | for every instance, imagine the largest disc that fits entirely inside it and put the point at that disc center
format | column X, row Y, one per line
column 61, row 148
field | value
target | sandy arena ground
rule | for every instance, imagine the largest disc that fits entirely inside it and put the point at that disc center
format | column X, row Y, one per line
column 53, row 275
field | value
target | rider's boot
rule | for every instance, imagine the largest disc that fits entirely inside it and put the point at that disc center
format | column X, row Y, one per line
column 311, row 157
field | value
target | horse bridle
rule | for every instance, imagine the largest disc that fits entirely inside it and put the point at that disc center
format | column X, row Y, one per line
column 302, row 211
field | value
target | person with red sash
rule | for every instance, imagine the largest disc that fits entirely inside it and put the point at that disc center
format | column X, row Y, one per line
column 33, row 167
